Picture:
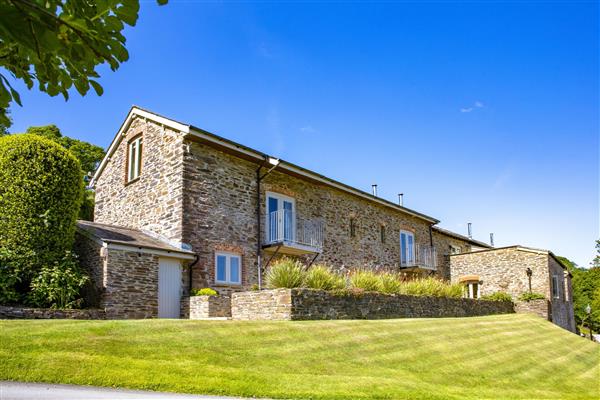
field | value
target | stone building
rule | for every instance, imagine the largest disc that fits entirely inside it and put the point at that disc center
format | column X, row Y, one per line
column 236, row 209
column 517, row 270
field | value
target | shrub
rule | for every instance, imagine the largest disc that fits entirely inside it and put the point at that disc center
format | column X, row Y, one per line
column 320, row 277
column 58, row 285
column 365, row 279
column 497, row 296
column 40, row 194
column 432, row 287
column 390, row 283
column 13, row 269
column 531, row 296
column 204, row 292
column 285, row 273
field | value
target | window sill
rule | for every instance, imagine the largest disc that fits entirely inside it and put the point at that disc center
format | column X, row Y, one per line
column 132, row 181
column 227, row 284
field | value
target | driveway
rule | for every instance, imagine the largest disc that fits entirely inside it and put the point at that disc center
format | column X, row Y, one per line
column 47, row 391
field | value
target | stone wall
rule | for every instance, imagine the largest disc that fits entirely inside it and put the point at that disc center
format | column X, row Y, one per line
column 220, row 214
column 154, row 201
column 443, row 245
column 131, row 285
column 307, row 304
column 504, row 269
column 200, row 307
column 562, row 313
column 94, row 265
column 48, row 313
column 539, row 307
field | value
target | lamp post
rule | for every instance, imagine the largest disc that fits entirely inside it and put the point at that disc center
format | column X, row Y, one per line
column 529, row 273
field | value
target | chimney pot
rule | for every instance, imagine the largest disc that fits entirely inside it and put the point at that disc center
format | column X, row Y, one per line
column 374, row 188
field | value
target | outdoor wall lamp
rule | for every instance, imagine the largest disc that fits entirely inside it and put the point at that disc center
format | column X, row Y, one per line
column 529, row 273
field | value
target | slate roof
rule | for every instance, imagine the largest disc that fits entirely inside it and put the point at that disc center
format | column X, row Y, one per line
column 126, row 236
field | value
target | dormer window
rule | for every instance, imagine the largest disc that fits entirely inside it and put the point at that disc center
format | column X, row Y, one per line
column 134, row 159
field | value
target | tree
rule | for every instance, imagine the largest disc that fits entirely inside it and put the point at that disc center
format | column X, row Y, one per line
column 5, row 124
column 41, row 189
column 596, row 261
column 59, row 44
column 89, row 155
column 586, row 285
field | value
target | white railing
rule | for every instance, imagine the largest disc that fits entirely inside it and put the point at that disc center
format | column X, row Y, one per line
column 419, row 256
column 285, row 226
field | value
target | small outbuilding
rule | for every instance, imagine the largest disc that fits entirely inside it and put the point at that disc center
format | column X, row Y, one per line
column 134, row 274
column 517, row 270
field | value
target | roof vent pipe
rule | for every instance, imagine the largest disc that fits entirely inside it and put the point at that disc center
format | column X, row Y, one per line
column 401, row 199
column 470, row 233
column 374, row 188
column 492, row 239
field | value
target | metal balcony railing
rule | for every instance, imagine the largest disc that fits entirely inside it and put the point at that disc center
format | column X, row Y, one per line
column 419, row 257
column 284, row 226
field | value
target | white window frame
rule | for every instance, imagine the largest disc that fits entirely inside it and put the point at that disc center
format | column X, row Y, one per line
column 555, row 287
column 414, row 256
column 280, row 199
column 470, row 292
column 228, row 256
column 455, row 249
column 134, row 159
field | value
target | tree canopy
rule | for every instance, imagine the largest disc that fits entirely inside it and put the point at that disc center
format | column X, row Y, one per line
column 59, row 44
column 586, row 291
column 89, row 155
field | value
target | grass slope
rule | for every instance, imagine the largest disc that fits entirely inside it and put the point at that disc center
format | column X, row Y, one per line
column 507, row 356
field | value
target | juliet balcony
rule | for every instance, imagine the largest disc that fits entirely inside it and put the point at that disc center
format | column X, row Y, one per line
column 419, row 257
column 287, row 233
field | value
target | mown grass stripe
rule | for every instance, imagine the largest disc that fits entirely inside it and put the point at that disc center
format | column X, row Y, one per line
column 505, row 356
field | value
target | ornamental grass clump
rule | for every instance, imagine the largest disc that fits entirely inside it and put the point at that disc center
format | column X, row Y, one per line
column 390, row 283
column 527, row 296
column 431, row 287
column 366, row 280
column 285, row 273
column 497, row 296
column 321, row 277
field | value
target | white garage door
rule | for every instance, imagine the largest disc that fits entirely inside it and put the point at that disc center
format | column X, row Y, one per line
column 169, row 287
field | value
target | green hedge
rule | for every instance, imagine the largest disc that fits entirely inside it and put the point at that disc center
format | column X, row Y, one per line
column 41, row 190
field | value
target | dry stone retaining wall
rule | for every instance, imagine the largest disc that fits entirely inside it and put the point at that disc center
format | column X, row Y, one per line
column 48, row 313
column 199, row 307
column 539, row 307
column 307, row 304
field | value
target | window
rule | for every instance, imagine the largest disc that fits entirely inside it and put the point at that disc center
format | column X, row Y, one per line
column 228, row 268
column 134, row 159
column 281, row 218
column 407, row 248
column 352, row 228
column 382, row 233
column 555, row 287
column 455, row 249
column 472, row 290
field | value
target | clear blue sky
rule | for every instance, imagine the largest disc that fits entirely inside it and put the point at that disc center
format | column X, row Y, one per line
column 480, row 112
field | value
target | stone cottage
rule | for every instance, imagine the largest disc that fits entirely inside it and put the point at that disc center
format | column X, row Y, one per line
column 178, row 208
column 516, row 270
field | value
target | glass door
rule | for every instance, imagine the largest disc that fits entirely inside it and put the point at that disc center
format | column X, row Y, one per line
column 407, row 245
column 281, row 218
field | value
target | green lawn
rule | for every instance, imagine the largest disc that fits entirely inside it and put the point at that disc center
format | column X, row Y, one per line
column 507, row 356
